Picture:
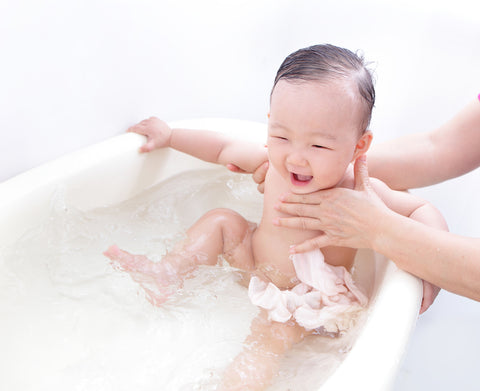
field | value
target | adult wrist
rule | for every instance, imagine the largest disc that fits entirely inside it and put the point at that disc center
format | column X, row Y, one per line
column 385, row 230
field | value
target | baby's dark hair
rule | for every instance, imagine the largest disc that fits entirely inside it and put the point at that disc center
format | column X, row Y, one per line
column 328, row 63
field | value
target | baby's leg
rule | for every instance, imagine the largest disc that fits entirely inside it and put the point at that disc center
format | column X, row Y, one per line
column 157, row 279
column 254, row 368
column 220, row 231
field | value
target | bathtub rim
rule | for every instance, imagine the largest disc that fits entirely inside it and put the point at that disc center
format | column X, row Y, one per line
column 402, row 293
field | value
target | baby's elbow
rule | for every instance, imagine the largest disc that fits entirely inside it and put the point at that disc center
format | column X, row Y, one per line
column 429, row 215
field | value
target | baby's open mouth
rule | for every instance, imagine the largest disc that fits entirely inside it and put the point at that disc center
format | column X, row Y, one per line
column 298, row 179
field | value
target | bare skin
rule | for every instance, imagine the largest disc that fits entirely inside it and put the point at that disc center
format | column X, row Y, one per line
column 220, row 231
column 431, row 157
column 304, row 156
column 262, row 351
column 351, row 218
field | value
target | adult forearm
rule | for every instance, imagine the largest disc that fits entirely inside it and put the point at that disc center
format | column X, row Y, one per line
column 360, row 219
column 403, row 163
column 423, row 159
column 449, row 261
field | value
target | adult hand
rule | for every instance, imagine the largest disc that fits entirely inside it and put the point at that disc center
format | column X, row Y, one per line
column 430, row 292
column 346, row 217
column 258, row 176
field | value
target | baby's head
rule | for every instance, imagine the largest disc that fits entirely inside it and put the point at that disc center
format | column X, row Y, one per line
column 320, row 108
column 329, row 63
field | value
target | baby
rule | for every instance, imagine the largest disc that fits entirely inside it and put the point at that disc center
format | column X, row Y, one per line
column 320, row 109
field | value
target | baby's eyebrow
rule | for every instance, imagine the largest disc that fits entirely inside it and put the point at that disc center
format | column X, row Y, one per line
column 330, row 136
column 318, row 133
column 277, row 125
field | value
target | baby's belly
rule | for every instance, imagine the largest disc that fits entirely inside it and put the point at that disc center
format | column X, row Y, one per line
column 271, row 273
column 273, row 263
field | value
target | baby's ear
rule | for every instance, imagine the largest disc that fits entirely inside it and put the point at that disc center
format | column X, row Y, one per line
column 363, row 144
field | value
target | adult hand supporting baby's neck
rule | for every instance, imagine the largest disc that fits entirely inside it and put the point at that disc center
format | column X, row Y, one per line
column 342, row 214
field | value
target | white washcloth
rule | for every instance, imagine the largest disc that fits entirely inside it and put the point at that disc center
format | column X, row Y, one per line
column 326, row 296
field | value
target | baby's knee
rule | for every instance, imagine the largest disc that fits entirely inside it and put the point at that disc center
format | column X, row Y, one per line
column 223, row 216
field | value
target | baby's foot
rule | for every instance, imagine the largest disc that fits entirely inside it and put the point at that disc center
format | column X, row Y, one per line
column 125, row 261
column 158, row 282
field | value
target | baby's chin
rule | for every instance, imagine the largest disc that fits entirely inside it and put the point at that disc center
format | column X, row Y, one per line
column 312, row 188
column 309, row 190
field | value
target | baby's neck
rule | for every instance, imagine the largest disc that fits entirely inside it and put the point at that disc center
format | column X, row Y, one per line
column 275, row 186
column 271, row 243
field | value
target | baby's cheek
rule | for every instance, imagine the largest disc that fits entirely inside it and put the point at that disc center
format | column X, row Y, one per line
column 275, row 159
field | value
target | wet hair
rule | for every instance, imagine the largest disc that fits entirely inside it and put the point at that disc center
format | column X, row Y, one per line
column 326, row 63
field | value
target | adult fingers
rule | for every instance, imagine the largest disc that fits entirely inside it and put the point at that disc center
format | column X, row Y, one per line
column 294, row 209
column 306, row 199
column 299, row 223
column 362, row 180
column 430, row 292
column 311, row 244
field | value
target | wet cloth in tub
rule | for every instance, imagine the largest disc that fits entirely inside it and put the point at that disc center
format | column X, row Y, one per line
column 325, row 297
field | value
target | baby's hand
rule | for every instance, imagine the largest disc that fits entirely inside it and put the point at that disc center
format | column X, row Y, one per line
column 158, row 133
column 258, row 175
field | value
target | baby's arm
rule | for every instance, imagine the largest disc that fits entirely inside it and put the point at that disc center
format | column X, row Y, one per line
column 209, row 146
column 409, row 205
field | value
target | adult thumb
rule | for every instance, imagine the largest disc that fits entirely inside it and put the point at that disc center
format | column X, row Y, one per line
column 360, row 172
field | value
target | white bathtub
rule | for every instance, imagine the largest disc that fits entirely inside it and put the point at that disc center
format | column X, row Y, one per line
column 113, row 171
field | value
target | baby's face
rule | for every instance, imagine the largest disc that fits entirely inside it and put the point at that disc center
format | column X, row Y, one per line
column 313, row 133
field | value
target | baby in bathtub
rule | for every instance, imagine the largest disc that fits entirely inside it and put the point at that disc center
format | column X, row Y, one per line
column 320, row 109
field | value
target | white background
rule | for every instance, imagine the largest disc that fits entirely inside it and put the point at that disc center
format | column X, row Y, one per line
column 73, row 73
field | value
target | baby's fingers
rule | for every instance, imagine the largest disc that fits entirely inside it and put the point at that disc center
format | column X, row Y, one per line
column 148, row 146
column 261, row 187
column 134, row 128
column 141, row 127
column 234, row 168
column 260, row 173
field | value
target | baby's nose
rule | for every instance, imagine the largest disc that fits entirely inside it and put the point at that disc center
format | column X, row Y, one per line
column 296, row 159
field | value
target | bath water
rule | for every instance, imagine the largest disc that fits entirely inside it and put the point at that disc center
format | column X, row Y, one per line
column 69, row 321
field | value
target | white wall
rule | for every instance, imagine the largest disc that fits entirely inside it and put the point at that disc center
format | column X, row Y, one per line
column 73, row 73
column 76, row 72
